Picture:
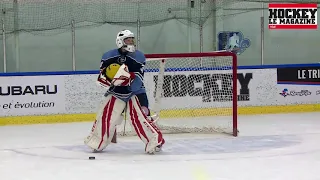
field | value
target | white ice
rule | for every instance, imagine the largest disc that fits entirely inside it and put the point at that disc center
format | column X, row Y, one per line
column 269, row 147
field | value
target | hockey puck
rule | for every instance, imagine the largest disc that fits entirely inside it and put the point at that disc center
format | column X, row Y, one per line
column 92, row 158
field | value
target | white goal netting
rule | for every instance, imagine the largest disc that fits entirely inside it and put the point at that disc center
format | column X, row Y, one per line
column 191, row 92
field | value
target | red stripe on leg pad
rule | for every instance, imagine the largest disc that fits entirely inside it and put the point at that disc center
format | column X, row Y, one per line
column 149, row 126
column 110, row 110
column 137, row 121
column 139, row 125
column 160, row 137
column 103, row 122
column 132, row 119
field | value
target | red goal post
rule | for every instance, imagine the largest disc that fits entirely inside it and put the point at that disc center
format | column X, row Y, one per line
column 191, row 92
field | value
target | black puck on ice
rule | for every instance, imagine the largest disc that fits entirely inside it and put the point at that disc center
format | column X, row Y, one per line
column 92, row 157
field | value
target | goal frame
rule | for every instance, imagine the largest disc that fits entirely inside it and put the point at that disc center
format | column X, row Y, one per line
column 163, row 57
column 212, row 54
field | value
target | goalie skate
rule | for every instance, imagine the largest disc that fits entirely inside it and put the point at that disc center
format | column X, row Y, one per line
column 159, row 147
column 153, row 146
column 152, row 121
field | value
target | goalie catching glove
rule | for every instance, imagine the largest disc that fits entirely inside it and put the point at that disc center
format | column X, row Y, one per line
column 116, row 75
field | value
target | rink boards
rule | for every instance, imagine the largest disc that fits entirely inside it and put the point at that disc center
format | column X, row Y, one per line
column 56, row 97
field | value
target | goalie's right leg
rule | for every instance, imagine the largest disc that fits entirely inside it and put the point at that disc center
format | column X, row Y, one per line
column 108, row 117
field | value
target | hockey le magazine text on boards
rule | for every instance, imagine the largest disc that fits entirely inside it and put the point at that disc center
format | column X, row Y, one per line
column 293, row 16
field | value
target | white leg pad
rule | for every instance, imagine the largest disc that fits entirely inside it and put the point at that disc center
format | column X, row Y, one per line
column 104, row 126
column 145, row 130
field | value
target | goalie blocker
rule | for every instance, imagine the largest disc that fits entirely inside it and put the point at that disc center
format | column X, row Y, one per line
column 110, row 115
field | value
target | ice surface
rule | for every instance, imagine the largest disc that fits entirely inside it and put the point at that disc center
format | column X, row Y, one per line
column 269, row 147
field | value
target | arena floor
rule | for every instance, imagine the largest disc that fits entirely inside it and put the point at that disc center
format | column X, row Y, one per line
column 269, row 147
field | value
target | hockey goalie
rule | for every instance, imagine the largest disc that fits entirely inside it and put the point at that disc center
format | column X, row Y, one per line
column 121, row 72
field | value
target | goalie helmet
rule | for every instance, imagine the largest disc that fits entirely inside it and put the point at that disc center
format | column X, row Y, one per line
column 121, row 36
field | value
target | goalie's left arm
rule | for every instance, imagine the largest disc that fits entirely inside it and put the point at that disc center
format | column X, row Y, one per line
column 140, row 61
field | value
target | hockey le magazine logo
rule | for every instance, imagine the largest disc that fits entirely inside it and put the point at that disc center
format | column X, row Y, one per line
column 293, row 16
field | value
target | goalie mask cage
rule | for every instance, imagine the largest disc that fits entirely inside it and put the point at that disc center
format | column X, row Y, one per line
column 191, row 93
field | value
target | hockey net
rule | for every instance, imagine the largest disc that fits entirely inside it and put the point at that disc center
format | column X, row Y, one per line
column 191, row 93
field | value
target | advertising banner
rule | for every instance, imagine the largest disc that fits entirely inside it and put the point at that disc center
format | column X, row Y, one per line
column 32, row 95
column 205, row 89
column 299, row 85
column 298, row 94
column 299, row 75
column 182, row 89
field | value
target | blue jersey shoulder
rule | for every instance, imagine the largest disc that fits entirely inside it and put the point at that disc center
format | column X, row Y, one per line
column 110, row 54
column 138, row 56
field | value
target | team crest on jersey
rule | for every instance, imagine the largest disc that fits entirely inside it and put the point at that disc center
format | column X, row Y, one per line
column 122, row 59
